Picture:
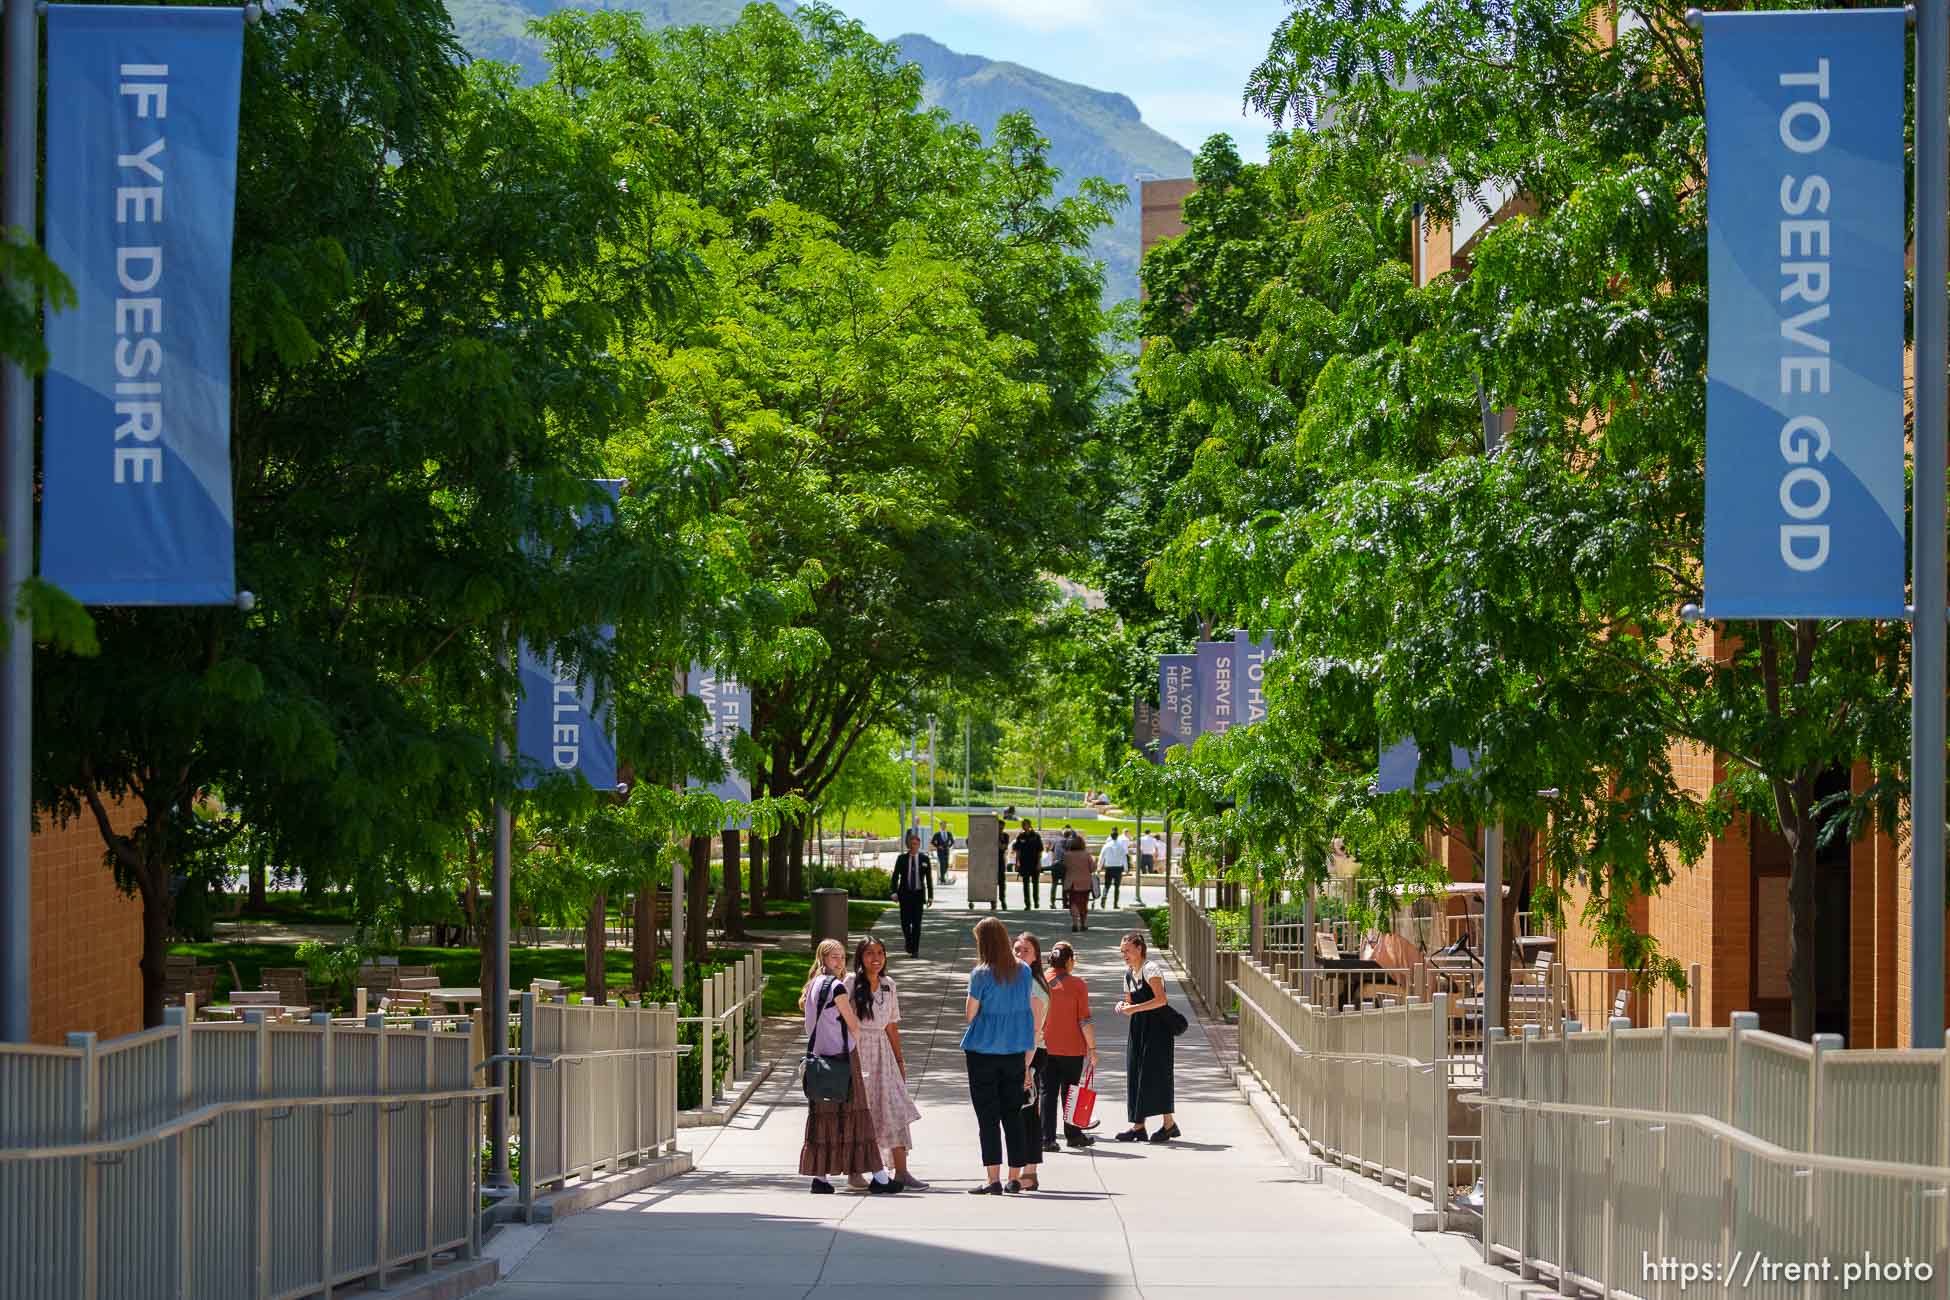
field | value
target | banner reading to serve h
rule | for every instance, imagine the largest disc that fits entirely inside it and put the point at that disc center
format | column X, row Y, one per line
column 141, row 196
column 1804, row 397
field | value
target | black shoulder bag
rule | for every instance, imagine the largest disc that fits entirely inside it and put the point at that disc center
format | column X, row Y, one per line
column 828, row 1078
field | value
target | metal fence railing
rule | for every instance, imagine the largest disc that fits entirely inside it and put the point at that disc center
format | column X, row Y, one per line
column 1638, row 1162
column 1374, row 1090
column 1208, row 969
column 597, row 1090
column 733, row 1003
column 214, row 1160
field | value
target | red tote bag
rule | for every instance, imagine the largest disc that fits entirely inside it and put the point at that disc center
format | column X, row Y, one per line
column 1083, row 1099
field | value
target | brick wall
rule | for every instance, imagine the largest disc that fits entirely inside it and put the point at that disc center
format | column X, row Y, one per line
column 87, row 935
column 1161, row 211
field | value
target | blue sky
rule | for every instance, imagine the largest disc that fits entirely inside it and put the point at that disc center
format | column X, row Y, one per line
column 1184, row 62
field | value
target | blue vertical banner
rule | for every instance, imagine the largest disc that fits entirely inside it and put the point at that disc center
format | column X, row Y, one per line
column 1253, row 656
column 727, row 715
column 1144, row 728
column 1400, row 767
column 559, row 726
column 1217, row 686
column 141, row 187
column 1805, row 263
column 1177, row 703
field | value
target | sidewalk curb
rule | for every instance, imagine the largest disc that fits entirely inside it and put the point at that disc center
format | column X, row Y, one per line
column 577, row 1197
column 718, row 1118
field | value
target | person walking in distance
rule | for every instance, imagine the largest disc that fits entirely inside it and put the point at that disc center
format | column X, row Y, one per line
column 1151, row 850
column 1070, row 1041
column 943, row 841
column 840, row 1135
column 1114, row 857
column 913, row 889
column 1148, row 1061
column 1028, row 848
column 1000, row 1044
column 1029, row 951
column 1078, row 869
column 882, row 1065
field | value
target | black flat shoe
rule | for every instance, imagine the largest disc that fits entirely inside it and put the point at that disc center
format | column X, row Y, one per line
column 821, row 1187
column 1052, row 1146
column 1132, row 1135
column 1164, row 1134
column 887, row 1188
column 1013, row 1186
column 993, row 1189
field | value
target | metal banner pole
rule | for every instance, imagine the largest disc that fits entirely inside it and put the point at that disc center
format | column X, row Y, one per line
column 497, row 965
column 1927, row 632
column 22, row 132
column 1496, row 944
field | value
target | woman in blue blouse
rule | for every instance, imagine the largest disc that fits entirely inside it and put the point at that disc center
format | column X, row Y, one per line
column 1000, row 1043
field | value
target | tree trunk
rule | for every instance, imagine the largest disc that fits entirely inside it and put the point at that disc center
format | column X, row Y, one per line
column 153, row 885
column 260, row 870
column 796, row 862
column 595, row 951
column 643, row 963
column 731, row 902
column 775, row 873
column 1801, row 907
column 756, row 845
column 697, row 921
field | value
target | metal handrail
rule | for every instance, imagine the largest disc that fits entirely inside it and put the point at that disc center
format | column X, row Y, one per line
column 1739, row 1138
column 1388, row 1058
column 554, row 1058
column 210, row 1114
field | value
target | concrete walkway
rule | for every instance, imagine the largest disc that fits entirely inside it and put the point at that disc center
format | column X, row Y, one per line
column 1217, row 1213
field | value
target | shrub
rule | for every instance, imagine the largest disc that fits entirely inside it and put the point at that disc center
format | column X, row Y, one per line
column 1158, row 921
column 859, row 882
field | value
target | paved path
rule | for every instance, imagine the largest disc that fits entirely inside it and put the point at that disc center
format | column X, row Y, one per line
column 1217, row 1213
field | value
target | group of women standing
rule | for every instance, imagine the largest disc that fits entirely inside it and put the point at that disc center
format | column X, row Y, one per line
column 1028, row 1042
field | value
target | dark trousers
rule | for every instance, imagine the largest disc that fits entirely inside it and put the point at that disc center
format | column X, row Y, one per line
column 941, row 864
column 1029, row 892
column 995, row 1086
column 1060, row 1074
column 911, row 923
column 1113, row 884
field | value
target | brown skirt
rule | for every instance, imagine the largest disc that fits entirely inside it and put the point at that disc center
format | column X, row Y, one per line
column 839, row 1134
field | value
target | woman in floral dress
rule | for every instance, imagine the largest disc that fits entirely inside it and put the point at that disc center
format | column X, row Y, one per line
column 882, row 1065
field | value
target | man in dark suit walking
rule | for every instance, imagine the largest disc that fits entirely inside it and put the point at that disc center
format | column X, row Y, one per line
column 913, row 883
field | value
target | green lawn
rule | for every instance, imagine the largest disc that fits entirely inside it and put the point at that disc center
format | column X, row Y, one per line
column 886, row 824
column 461, row 967
column 290, row 907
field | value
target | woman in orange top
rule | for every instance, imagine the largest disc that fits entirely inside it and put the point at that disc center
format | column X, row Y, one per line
column 1071, row 1040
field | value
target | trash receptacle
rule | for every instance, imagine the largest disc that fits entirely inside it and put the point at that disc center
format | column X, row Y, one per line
column 828, row 915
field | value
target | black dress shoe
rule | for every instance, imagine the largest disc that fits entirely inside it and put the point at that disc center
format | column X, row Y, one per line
column 1131, row 1135
column 887, row 1188
column 821, row 1187
column 993, row 1189
column 1052, row 1146
column 1165, row 1134
column 1013, row 1187
column 1081, row 1141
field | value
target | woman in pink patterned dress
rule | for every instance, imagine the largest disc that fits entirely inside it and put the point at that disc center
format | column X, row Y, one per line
column 882, row 1065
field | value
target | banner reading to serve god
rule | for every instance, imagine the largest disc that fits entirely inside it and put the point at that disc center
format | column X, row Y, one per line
column 141, row 196
column 1804, row 397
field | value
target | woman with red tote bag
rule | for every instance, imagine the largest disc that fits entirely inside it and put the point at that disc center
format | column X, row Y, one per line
column 1071, row 1041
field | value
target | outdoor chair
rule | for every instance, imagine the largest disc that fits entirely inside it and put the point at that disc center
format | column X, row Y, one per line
column 547, row 990
column 416, row 982
column 290, row 983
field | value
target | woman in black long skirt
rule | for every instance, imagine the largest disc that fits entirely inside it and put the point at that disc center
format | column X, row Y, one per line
column 1148, row 1060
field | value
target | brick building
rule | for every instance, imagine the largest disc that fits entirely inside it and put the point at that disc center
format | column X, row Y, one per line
column 1728, row 915
column 87, row 935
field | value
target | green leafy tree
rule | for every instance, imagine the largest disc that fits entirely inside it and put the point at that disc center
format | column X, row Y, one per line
column 1524, row 603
